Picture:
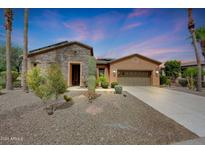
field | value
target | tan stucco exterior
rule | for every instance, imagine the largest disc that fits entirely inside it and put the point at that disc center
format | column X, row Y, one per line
column 135, row 63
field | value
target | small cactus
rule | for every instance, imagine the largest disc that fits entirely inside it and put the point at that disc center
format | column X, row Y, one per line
column 118, row 89
column 67, row 98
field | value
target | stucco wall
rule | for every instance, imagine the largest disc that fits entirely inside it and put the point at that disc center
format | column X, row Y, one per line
column 106, row 67
column 135, row 63
column 63, row 56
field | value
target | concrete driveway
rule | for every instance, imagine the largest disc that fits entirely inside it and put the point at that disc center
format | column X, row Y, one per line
column 186, row 109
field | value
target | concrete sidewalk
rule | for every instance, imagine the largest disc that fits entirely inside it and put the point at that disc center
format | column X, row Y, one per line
column 186, row 109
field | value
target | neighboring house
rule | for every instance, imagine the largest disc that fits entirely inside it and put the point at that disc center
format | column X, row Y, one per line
column 185, row 65
column 73, row 59
column 192, row 64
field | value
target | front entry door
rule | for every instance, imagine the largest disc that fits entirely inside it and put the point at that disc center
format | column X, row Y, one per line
column 75, row 74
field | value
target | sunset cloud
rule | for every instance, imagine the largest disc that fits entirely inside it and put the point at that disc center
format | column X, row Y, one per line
column 138, row 13
column 132, row 25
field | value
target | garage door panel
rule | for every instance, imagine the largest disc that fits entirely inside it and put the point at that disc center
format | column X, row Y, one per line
column 134, row 78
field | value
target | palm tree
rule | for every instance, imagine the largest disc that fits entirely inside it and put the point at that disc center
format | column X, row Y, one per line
column 25, row 52
column 200, row 36
column 8, row 26
column 198, row 59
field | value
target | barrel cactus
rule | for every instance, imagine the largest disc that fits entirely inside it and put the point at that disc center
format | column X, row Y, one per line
column 118, row 89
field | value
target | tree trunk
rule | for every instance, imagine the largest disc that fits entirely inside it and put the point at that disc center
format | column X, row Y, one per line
column 25, row 53
column 202, row 43
column 198, row 58
column 8, row 27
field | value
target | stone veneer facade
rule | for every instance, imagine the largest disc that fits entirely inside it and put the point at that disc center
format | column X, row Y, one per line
column 64, row 56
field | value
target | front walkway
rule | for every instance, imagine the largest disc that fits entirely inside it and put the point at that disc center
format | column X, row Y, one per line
column 186, row 109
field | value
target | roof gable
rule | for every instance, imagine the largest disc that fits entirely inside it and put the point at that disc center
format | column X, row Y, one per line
column 137, row 55
column 58, row 45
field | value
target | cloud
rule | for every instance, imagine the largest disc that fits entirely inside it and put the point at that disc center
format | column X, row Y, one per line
column 131, row 25
column 138, row 13
column 96, row 28
column 152, row 47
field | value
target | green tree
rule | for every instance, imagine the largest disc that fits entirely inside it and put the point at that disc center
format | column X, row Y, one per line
column 172, row 69
column 16, row 58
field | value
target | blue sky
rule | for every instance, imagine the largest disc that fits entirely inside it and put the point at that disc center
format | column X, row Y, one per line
column 157, row 33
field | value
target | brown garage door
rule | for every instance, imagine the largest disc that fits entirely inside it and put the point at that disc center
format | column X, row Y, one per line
column 134, row 78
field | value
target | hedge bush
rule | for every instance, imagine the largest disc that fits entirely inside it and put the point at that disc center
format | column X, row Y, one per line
column 113, row 84
column 105, row 85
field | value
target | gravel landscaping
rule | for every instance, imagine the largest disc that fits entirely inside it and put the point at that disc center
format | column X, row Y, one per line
column 110, row 119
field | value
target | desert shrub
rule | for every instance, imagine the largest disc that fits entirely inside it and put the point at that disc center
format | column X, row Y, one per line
column 183, row 82
column 43, row 92
column 104, row 84
column 113, row 84
column 14, row 74
column 35, row 78
column 118, row 89
column 38, row 83
column 56, row 80
column 91, row 83
column 67, row 98
column 92, row 66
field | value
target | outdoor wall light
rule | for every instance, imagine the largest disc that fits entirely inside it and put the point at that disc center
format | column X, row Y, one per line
column 157, row 72
column 114, row 73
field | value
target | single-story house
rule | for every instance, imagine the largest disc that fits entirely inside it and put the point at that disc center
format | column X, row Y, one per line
column 73, row 57
column 185, row 65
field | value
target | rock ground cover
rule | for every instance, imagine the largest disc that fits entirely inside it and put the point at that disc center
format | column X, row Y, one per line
column 110, row 119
